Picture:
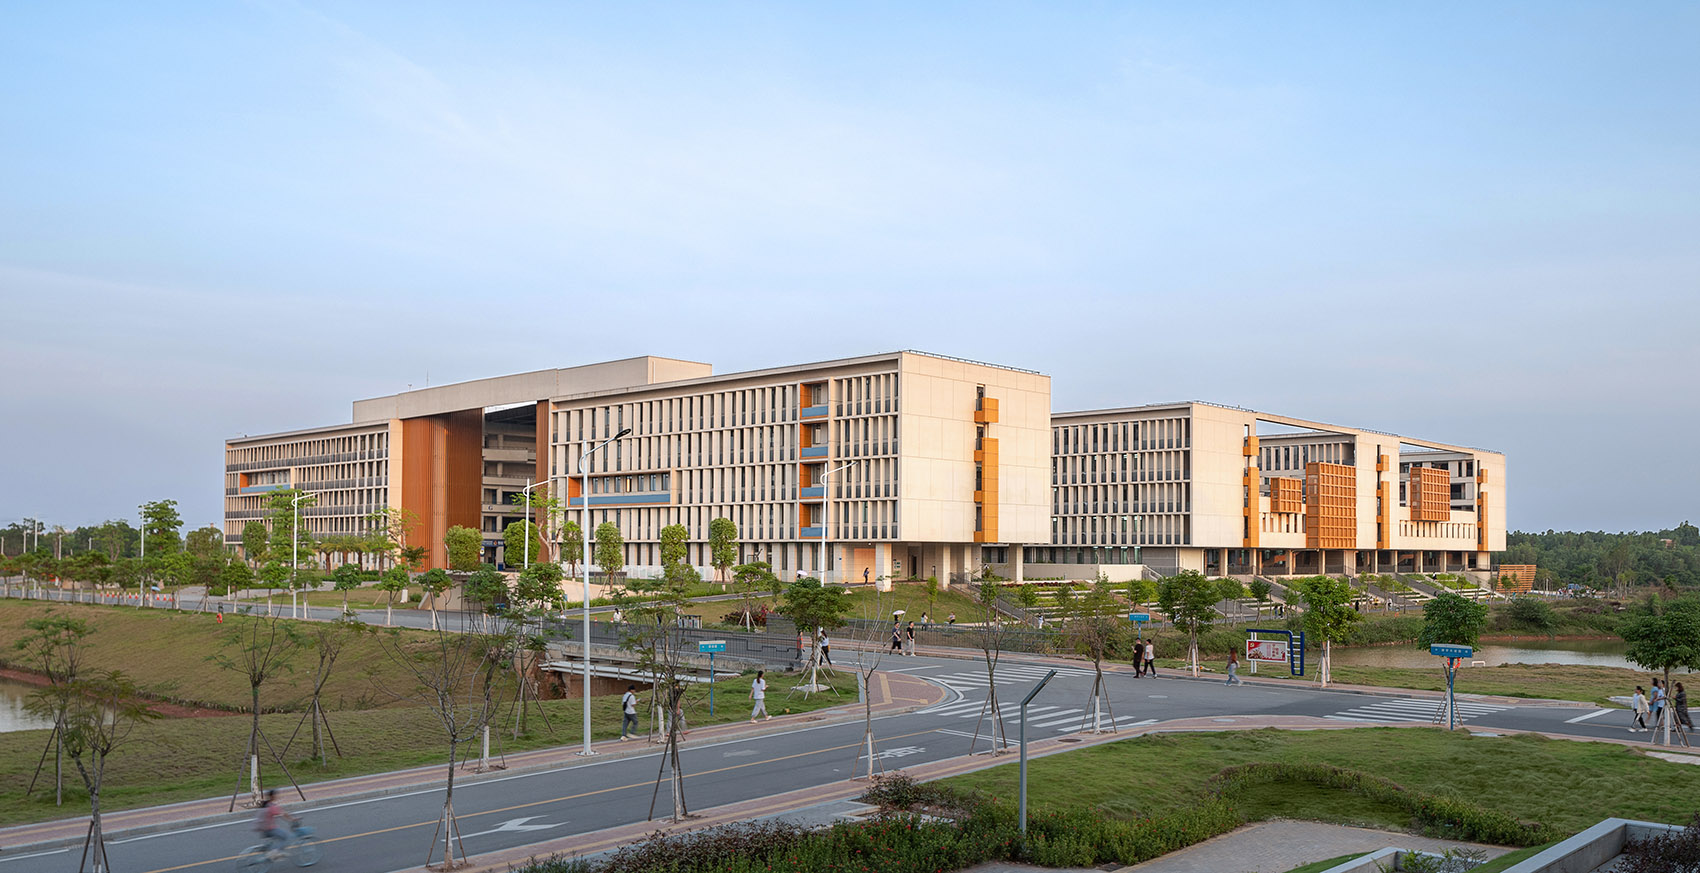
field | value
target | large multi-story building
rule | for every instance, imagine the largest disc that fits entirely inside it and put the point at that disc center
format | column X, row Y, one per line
column 1231, row 491
column 889, row 466
column 865, row 468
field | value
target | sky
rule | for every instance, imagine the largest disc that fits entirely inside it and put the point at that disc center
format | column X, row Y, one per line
column 1477, row 223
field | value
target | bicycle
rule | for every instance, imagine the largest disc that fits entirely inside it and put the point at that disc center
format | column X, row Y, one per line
column 300, row 848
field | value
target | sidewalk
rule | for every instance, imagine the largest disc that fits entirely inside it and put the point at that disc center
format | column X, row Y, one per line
column 891, row 692
column 1277, row 846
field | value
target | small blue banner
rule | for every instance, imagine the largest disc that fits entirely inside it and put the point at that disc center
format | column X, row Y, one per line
column 1139, row 617
column 706, row 646
column 1446, row 650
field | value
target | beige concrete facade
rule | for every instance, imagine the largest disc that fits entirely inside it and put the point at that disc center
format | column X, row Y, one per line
column 1154, row 489
column 865, row 468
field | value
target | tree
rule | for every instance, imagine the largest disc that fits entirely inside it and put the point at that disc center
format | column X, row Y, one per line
column 515, row 545
column 931, row 586
column 610, row 550
column 1189, row 600
column 391, row 582
column 989, row 635
column 287, row 543
column 346, row 578
column 327, row 639
column 1093, row 623
column 1328, row 617
column 454, row 675
column 273, row 576
column 204, row 542
column 96, row 715
column 1663, row 635
column 540, row 504
column 258, row 648
column 654, row 606
column 1451, row 618
column 255, row 539
column 432, row 583
column 235, row 576
column 749, row 580
column 811, row 605
column 1231, row 590
column 722, row 546
column 463, row 545
column 572, row 545
column 1260, row 590
column 675, row 545
column 538, row 587
column 160, row 524
column 1141, row 591
column 54, row 648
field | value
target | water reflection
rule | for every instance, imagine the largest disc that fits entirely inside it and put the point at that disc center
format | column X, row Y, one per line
column 13, row 717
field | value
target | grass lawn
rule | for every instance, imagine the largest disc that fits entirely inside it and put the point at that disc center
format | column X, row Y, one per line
column 867, row 603
column 360, row 598
column 1544, row 681
column 1568, row 785
column 189, row 758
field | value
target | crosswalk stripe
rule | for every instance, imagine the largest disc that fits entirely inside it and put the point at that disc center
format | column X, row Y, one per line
column 942, row 710
column 1068, row 715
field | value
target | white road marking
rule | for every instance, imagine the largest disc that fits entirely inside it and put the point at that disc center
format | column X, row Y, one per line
column 1595, row 714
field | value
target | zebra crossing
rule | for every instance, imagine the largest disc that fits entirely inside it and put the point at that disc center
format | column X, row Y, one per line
column 1057, row 719
column 969, row 681
column 1410, row 709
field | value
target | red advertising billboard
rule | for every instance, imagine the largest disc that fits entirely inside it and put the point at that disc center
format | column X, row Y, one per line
column 1274, row 651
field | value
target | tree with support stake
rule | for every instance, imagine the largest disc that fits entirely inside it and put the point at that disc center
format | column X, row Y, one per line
column 868, row 657
column 652, row 607
column 1664, row 635
column 96, row 715
column 1328, row 617
column 1092, row 623
column 258, row 648
column 327, row 640
column 454, row 674
column 1189, row 599
column 54, row 647
column 812, row 606
column 1451, row 626
column 989, row 635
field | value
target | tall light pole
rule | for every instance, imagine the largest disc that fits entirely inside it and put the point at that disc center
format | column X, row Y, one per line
column 528, row 486
column 826, row 523
column 294, row 549
column 584, row 536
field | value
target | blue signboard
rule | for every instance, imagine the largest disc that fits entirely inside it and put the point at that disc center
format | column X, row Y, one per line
column 1139, row 617
column 706, row 646
column 1446, row 650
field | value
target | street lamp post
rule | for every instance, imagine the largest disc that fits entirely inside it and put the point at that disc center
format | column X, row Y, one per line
column 528, row 486
column 294, row 550
column 584, row 536
column 826, row 523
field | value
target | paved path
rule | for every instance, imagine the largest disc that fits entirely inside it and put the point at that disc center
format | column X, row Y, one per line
column 1278, row 846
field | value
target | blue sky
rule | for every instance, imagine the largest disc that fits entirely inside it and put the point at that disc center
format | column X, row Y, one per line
column 1471, row 222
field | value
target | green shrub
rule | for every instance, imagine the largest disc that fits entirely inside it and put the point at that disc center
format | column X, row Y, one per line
column 1530, row 612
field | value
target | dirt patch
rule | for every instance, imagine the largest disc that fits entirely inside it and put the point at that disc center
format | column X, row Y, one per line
column 167, row 710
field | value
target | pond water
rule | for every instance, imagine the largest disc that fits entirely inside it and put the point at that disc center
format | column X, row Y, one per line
column 12, row 714
column 1592, row 653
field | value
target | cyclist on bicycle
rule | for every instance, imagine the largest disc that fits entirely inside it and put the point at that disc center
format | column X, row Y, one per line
column 269, row 821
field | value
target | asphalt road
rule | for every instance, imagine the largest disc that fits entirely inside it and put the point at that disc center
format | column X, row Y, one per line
column 389, row 833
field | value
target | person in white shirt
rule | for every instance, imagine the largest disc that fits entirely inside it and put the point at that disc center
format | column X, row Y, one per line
column 758, row 693
column 628, row 711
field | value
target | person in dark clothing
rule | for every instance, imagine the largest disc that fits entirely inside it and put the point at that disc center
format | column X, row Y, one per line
column 896, row 637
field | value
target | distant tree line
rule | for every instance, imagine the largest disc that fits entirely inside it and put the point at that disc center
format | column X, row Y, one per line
column 1609, row 561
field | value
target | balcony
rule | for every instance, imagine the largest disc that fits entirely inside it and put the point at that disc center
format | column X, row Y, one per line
column 262, row 489
column 808, row 412
column 814, row 492
column 811, row 533
column 813, row 452
column 988, row 411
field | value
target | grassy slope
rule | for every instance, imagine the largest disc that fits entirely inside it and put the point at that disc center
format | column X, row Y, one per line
column 159, row 647
column 869, row 604
column 184, row 759
column 1569, row 785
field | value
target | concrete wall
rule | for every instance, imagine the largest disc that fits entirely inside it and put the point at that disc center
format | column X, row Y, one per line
column 529, row 387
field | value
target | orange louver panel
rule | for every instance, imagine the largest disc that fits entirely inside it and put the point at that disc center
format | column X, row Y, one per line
column 1331, row 506
column 1429, row 493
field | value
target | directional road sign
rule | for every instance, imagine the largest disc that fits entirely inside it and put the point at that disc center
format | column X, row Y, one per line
column 705, row 646
column 1447, row 650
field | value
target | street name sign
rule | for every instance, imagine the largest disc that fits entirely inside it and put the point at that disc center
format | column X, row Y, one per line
column 706, row 646
column 1447, row 650
column 1139, row 617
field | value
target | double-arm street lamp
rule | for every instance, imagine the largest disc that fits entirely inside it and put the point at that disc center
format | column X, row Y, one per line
column 584, row 535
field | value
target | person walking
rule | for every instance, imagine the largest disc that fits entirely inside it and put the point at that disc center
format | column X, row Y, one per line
column 758, row 693
column 1151, row 659
column 952, row 620
column 1234, row 669
column 825, row 646
column 909, row 638
column 897, row 637
column 1638, row 704
column 1680, row 699
column 1656, row 702
column 1138, row 659
column 924, row 620
column 628, row 712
